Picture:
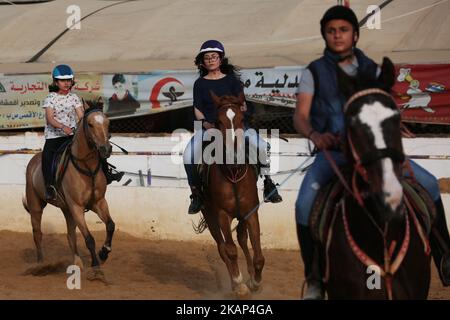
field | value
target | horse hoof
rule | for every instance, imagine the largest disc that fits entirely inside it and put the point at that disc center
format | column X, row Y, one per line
column 242, row 292
column 103, row 255
column 96, row 274
column 253, row 285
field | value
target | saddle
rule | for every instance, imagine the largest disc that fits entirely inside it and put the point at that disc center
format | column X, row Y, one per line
column 204, row 169
column 60, row 163
column 326, row 207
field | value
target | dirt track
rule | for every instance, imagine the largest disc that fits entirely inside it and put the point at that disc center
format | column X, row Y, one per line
column 144, row 269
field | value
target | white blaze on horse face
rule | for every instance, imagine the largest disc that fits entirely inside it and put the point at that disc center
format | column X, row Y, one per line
column 230, row 115
column 373, row 115
column 99, row 119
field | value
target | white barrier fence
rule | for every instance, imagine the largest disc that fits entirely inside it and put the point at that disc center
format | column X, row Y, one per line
column 159, row 210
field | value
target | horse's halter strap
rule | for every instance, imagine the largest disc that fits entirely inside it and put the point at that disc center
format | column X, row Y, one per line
column 363, row 93
column 236, row 173
column 89, row 140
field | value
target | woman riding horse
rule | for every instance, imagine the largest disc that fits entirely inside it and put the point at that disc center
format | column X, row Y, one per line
column 319, row 117
column 232, row 194
column 220, row 77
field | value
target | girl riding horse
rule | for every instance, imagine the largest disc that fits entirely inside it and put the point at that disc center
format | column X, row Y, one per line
column 62, row 110
column 220, row 77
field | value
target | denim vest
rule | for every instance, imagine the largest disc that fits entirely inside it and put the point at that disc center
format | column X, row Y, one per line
column 327, row 107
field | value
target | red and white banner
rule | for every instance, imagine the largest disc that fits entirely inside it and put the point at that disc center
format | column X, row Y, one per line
column 422, row 93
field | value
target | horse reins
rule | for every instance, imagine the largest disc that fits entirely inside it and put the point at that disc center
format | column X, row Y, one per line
column 389, row 268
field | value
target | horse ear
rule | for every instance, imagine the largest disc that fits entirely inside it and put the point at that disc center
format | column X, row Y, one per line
column 215, row 98
column 387, row 75
column 241, row 98
column 85, row 105
column 99, row 102
column 347, row 84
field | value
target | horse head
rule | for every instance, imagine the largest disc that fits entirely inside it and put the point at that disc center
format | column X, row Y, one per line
column 373, row 138
column 230, row 121
column 96, row 128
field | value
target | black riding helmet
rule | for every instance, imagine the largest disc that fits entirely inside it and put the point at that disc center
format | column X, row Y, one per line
column 339, row 13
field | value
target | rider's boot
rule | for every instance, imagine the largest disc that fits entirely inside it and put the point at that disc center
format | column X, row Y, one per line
column 310, row 255
column 270, row 191
column 196, row 201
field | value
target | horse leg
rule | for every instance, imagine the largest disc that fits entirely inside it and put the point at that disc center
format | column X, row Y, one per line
column 101, row 208
column 215, row 230
column 78, row 215
column 72, row 238
column 242, row 239
column 258, row 258
column 237, row 281
column 36, row 218
column 35, row 207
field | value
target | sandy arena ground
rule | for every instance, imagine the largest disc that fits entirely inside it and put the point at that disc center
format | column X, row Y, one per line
column 145, row 269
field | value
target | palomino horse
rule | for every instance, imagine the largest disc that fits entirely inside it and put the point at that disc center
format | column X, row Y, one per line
column 376, row 247
column 82, row 188
column 232, row 194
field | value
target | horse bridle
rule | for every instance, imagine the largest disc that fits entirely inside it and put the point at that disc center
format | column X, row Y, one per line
column 88, row 136
column 368, row 158
column 91, row 145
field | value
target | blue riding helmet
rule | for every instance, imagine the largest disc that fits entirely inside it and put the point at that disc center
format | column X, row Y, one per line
column 212, row 45
column 62, row 71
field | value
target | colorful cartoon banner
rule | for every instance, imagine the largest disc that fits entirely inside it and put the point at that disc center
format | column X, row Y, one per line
column 421, row 92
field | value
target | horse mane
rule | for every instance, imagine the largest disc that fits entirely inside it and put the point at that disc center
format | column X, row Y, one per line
column 93, row 105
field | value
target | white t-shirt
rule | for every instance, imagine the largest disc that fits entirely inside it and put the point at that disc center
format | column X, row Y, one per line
column 64, row 112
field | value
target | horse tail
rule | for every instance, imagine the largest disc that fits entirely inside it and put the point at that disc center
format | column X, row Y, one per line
column 24, row 203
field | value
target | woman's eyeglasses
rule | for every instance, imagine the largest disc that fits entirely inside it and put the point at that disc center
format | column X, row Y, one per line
column 211, row 58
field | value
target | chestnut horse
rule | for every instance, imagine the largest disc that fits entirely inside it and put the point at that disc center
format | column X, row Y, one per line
column 378, row 249
column 231, row 193
column 82, row 188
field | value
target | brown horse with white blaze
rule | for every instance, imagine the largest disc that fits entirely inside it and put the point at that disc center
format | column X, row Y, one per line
column 81, row 188
column 232, row 194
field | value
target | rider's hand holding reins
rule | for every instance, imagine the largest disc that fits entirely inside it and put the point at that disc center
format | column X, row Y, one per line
column 67, row 130
column 324, row 140
column 208, row 125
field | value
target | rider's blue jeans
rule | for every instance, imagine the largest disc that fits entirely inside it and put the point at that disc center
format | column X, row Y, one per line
column 193, row 153
column 320, row 173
